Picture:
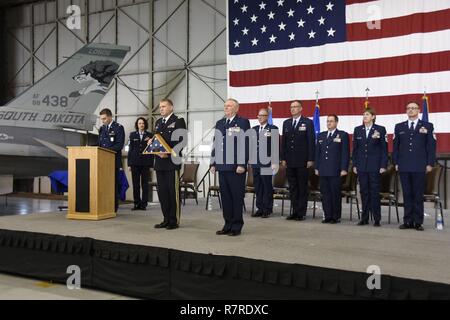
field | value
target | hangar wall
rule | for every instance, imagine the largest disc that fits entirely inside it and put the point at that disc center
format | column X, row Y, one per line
column 172, row 55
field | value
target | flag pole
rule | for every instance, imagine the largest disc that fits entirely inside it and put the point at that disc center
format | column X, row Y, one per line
column 316, row 118
column 425, row 106
column 366, row 103
column 270, row 120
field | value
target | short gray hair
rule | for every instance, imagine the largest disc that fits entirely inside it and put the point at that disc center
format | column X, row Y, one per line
column 236, row 103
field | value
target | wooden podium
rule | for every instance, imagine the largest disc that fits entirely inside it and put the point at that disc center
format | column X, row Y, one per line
column 91, row 183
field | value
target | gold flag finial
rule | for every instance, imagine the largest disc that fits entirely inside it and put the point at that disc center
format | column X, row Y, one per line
column 366, row 103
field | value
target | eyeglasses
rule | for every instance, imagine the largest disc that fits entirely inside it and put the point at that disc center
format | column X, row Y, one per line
column 412, row 108
column 263, row 115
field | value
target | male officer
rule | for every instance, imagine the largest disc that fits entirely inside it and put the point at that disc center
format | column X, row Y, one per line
column 297, row 153
column 112, row 136
column 414, row 155
column 168, row 172
column 230, row 158
column 262, row 179
column 370, row 157
column 139, row 163
column 332, row 158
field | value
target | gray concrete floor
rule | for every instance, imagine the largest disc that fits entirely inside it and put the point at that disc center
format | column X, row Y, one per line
column 22, row 206
column 16, row 288
column 409, row 253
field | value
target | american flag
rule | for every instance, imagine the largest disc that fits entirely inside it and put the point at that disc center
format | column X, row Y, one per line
column 281, row 50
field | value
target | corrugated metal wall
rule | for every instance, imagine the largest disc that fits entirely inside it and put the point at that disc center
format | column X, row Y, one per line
column 178, row 50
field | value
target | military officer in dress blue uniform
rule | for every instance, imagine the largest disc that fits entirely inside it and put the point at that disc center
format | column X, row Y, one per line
column 230, row 157
column 332, row 159
column 370, row 158
column 262, row 179
column 139, row 164
column 168, row 167
column 112, row 136
column 297, row 154
column 414, row 155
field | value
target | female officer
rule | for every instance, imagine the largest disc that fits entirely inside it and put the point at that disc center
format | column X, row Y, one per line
column 140, row 164
column 369, row 162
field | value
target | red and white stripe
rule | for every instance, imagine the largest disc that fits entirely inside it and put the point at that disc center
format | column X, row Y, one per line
column 410, row 53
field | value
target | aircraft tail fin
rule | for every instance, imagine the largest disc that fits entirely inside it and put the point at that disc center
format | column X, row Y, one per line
column 77, row 85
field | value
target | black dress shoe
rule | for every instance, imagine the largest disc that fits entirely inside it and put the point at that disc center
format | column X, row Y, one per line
column 332, row 221
column 405, row 226
column 257, row 214
column 362, row 223
column 377, row 224
column 143, row 208
column 222, row 232
column 326, row 221
column 172, row 226
column 292, row 218
column 419, row 227
column 161, row 225
column 300, row 218
column 265, row 215
column 136, row 208
column 234, row 233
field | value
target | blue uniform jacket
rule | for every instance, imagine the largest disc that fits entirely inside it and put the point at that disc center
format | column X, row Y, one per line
column 298, row 144
column 413, row 151
column 238, row 126
column 267, row 132
column 113, row 139
column 137, row 146
column 332, row 155
column 370, row 154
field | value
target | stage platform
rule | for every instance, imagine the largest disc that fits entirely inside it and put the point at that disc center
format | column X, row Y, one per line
column 272, row 259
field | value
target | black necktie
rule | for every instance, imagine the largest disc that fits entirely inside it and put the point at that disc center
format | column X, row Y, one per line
column 329, row 135
column 412, row 126
column 228, row 122
column 164, row 122
column 294, row 124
